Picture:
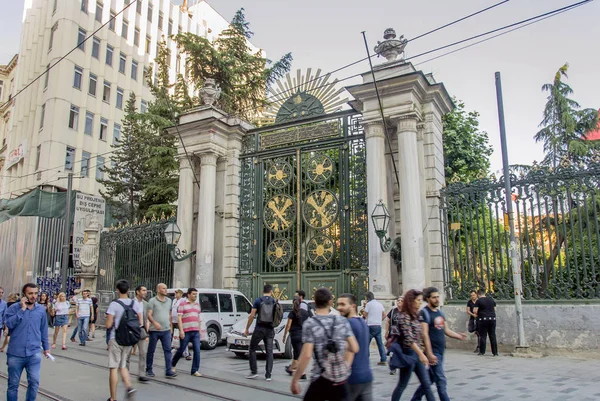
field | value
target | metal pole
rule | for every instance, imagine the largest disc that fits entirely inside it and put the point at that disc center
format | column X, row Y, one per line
column 516, row 267
column 66, row 235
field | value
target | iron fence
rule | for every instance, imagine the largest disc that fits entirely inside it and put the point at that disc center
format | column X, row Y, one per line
column 557, row 225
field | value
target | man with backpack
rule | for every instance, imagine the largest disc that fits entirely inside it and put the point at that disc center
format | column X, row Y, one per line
column 269, row 314
column 124, row 319
column 331, row 340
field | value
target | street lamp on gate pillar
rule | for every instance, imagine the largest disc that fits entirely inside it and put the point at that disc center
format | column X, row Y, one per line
column 381, row 221
column 172, row 235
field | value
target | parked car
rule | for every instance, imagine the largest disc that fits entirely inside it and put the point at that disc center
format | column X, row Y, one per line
column 240, row 345
column 220, row 310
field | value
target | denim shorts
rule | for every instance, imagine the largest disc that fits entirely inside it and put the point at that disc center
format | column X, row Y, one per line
column 61, row 320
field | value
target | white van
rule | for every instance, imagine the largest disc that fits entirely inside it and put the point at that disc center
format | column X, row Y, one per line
column 221, row 309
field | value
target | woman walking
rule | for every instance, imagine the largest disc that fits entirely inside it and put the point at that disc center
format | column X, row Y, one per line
column 45, row 302
column 93, row 321
column 411, row 342
column 295, row 321
column 61, row 319
column 473, row 317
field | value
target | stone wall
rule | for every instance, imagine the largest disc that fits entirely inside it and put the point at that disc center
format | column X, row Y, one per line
column 557, row 326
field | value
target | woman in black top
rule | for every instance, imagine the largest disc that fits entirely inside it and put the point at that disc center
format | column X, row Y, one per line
column 45, row 302
column 473, row 317
column 485, row 309
column 93, row 321
column 296, row 319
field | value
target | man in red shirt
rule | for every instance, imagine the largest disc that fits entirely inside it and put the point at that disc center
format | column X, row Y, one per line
column 188, row 317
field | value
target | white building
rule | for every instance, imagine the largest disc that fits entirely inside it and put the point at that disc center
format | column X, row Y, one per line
column 69, row 119
column 7, row 84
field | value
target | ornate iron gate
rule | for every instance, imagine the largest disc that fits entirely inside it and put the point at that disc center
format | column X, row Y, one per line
column 303, row 213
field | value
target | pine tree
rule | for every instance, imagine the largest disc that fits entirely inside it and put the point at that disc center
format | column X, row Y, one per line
column 124, row 185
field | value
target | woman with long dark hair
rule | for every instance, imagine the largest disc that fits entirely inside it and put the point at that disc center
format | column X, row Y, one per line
column 93, row 321
column 412, row 343
column 296, row 319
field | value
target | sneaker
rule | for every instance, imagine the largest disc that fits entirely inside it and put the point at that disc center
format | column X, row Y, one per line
column 197, row 374
column 130, row 393
column 392, row 372
column 303, row 377
column 268, row 379
column 188, row 358
column 382, row 363
column 72, row 339
column 252, row 376
column 81, row 344
column 150, row 374
column 171, row 375
column 143, row 379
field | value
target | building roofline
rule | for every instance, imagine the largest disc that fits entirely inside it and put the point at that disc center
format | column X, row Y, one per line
column 7, row 69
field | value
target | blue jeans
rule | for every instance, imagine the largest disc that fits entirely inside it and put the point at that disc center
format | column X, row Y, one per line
column 375, row 331
column 83, row 323
column 16, row 364
column 404, row 378
column 194, row 338
column 438, row 377
column 165, row 340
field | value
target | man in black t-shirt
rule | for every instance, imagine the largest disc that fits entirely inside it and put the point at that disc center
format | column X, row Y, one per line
column 485, row 309
column 435, row 329
column 263, row 331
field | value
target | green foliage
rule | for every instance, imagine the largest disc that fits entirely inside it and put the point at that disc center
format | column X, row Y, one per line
column 466, row 149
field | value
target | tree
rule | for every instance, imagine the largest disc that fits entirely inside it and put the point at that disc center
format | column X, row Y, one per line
column 466, row 149
column 244, row 76
column 124, row 185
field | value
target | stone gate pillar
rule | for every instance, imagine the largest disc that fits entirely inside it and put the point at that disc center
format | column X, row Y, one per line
column 185, row 218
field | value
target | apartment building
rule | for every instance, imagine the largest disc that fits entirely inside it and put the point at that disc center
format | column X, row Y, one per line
column 7, row 83
column 70, row 119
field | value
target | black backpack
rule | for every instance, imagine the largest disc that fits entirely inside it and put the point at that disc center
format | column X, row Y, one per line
column 270, row 312
column 128, row 331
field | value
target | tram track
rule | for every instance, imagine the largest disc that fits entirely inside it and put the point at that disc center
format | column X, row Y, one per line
column 41, row 392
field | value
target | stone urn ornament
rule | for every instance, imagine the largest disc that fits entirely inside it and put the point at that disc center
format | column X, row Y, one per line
column 391, row 47
column 210, row 92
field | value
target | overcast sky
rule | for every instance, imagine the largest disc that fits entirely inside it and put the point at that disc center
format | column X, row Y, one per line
column 327, row 35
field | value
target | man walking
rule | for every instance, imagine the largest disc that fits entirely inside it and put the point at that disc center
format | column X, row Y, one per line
column 374, row 315
column 330, row 339
column 360, row 382
column 84, row 311
column 159, row 315
column 118, row 354
column 303, row 303
column 263, row 308
column 435, row 329
column 485, row 310
column 28, row 327
column 188, row 321
column 175, row 320
column 142, row 345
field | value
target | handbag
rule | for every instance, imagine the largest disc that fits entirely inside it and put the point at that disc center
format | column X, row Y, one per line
column 400, row 359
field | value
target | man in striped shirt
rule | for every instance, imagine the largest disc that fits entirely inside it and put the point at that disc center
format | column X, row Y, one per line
column 188, row 316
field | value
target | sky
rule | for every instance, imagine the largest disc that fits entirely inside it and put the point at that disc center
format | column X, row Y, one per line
column 327, row 35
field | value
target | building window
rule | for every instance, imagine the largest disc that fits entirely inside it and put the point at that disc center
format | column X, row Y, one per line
column 77, row 78
column 134, row 67
column 148, row 43
column 161, row 18
column 116, row 134
column 96, row 48
column 47, row 77
column 43, row 115
column 37, row 157
column 88, row 129
column 138, row 7
column 99, row 8
column 170, row 28
column 109, row 54
column 106, row 92
column 103, row 128
column 112, row 21
column 143, row 106
column 74, row 117
column 69, row 158
column 150, row 11
column 122, row 62
column 52, row 32
column 136, row 36
column 85, row 163
column 120, row 98
column 84, row 6
column 124, row 29
column 99, row 167
column 92, row 86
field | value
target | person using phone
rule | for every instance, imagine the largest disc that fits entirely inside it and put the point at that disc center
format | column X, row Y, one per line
column 28, row 326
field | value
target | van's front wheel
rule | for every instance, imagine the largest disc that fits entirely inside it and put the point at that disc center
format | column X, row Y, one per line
column 212, row 335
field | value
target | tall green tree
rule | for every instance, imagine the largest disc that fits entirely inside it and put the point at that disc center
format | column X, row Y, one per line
column 466, row 149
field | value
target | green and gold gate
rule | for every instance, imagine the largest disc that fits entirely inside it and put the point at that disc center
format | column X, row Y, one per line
column 303, row 207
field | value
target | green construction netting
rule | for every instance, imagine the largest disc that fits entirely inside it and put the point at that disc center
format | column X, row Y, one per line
column 36, row 203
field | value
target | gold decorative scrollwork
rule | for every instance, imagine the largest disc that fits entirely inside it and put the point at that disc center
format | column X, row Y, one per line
column 320, row 169
column 330, row 288
column 320, row 250
column 280, row 174
column 279, row 213
column 320, row 209
column 279, row 253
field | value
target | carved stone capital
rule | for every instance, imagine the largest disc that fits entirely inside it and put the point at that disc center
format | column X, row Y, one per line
column 407, row 123
column 186, row 162
column 373, row 129
column 208, row 159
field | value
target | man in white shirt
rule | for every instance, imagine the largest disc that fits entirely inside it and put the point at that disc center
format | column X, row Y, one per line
column 375, row 315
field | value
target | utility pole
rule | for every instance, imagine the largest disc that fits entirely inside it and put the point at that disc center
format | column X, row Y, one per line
column 67, row 235
column 516, row 266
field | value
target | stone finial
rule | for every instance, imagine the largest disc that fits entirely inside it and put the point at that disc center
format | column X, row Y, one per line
column 210, row 92
column 391, row 47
